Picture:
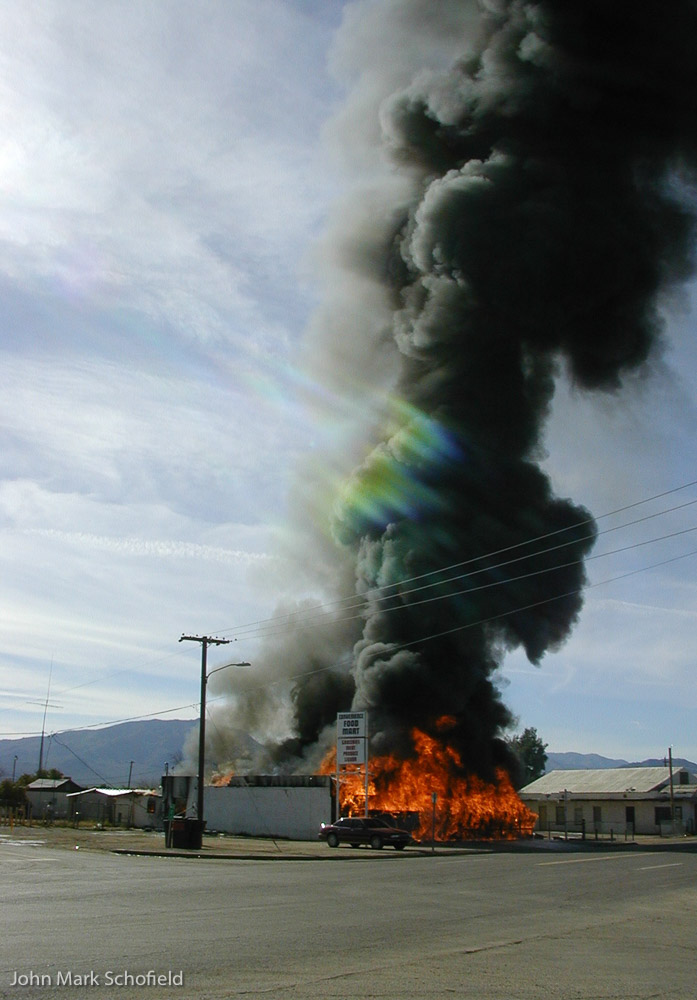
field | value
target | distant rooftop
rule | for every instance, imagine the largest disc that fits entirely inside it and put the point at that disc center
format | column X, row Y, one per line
column 52, row 785
column 609, row 780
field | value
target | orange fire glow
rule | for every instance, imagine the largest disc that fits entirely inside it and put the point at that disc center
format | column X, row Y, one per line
column 466, row 807
column 221, row 778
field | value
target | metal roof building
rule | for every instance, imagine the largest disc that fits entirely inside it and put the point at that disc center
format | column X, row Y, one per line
column 48, row 797
column 618, row 801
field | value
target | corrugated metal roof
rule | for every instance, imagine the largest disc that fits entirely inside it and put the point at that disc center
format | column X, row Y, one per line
column 50, row 784
column 602, row 780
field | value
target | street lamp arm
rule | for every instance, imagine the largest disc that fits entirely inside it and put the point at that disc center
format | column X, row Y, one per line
column 244, row 663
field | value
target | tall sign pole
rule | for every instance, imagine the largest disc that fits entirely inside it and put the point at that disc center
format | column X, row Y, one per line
column 366, row 765
column 351, row 748
column 337, row 797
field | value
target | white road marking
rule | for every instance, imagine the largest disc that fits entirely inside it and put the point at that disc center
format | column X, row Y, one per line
column 6, row 842
column 650, row 868
column 583, row 861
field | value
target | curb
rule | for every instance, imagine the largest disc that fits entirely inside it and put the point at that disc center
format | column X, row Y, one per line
column 333, row 856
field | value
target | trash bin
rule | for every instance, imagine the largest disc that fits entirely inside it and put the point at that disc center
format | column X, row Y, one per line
column 186, row 834
column 194, row 833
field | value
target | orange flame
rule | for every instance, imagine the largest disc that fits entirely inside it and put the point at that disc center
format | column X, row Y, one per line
column 221, row 778
column 466, row 807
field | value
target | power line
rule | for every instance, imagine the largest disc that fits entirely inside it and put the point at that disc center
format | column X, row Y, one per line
column 537, row 604
column 112, row 722
column 277, row 626
column 302, row 618
column 395, row 647
column 88, row 766
column 359, row 602
column 391, row 648
column 255, row 629
column 289, row 627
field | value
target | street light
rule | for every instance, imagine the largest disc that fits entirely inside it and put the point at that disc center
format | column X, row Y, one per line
column 205, row 641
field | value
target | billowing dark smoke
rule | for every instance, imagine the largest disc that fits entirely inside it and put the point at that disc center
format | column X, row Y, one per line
column 539, row 213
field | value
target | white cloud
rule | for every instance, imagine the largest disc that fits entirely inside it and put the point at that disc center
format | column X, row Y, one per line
column 161, row 176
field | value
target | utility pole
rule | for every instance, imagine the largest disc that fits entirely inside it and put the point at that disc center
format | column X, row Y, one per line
column 206, row 641
column 130, row 772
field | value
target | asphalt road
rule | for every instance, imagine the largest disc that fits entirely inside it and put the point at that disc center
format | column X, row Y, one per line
column 370, row 924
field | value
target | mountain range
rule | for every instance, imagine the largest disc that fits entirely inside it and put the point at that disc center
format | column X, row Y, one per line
column 103, row 756
column 584, row 761
column 142, row 751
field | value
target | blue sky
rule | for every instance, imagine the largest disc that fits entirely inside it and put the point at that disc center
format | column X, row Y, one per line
column 168, row 171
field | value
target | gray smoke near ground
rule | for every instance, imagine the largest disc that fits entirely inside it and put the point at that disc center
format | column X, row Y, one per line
column 521, row 210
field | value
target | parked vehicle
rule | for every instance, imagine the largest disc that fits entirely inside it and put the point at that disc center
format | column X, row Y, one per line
column 354, row 831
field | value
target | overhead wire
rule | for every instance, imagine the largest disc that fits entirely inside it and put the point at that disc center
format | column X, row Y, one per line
column 77, row 756
column 396, row 647
column 547, row 600
column 391, row 648
column 532, row 573
column 300, row 619
column 295, row 621
column 255, row 629
column 303, row 618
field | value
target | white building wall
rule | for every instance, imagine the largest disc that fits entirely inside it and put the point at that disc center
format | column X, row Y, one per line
column 613, row 816
column 140, row 817
column 293, row 813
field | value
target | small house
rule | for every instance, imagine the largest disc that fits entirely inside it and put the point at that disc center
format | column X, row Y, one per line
column 48, row 798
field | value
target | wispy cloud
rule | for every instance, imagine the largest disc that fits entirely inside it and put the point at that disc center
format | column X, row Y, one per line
column 159, row 549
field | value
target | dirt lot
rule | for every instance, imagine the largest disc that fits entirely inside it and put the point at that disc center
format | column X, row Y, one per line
column 142, row 841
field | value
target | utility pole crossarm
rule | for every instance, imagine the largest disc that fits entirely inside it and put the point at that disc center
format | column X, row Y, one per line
column 207, row 639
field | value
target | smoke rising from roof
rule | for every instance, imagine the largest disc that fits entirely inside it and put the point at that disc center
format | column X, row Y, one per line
column 519, row 211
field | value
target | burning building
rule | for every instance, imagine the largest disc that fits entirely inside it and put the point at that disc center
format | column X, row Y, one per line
column 521, row 205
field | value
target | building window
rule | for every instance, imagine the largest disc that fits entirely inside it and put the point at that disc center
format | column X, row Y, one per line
column 597, row 815
column 560, row 815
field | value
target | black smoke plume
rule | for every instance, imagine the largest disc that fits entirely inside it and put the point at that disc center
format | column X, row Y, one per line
column 538, row 210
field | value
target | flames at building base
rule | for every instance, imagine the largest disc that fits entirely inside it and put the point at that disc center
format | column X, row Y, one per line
column 466, row 807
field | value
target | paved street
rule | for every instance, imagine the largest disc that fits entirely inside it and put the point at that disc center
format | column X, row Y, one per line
column 546, row 923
